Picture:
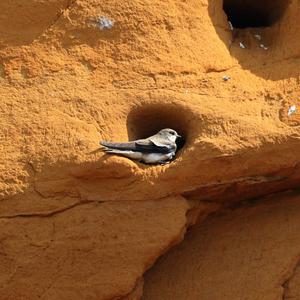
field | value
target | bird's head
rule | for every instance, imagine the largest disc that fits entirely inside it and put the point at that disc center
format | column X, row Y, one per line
column 169, row 134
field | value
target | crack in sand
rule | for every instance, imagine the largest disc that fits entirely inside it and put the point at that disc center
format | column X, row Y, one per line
column 48, row 213
column 186, row 194
column 285, row 284
column 76, row 204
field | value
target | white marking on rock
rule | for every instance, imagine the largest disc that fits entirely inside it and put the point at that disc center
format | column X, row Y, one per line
column 292, row 110
column 258, row 36
column 226, row 78
column 242, row 45
column 102, row 22
column 263, row 47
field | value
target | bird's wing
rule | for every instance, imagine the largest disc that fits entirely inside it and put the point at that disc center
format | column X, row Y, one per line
column 119, row 146
column 143, row 145
column 154, row 146
column 162, row 142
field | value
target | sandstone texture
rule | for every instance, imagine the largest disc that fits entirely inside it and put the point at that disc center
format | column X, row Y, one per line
column 79, row 224
column 251, row 252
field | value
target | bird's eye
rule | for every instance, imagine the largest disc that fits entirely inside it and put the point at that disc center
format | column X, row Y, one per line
column 171, row 132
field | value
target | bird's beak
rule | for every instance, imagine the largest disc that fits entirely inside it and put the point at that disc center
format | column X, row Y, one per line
column 179, row 136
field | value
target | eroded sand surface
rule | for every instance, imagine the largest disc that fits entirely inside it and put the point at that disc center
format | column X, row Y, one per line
column 77, row 224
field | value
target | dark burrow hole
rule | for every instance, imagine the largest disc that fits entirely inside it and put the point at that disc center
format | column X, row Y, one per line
column 146, row 120
column 254, row 13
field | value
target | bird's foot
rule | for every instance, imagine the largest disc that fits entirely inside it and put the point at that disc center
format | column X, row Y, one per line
column 163, row 163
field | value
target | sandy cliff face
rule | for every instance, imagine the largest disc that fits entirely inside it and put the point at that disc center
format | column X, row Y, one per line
column 250, row 252
column 77, row 224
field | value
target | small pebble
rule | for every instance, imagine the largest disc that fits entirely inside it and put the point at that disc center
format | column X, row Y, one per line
column 263, row 47
column 102, row 23
column 242, row 45
column 292, row 110
column 258, row 36
column 226, row 78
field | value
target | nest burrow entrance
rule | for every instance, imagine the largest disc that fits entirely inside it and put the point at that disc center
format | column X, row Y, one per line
column 146, row 120
column 254, row 13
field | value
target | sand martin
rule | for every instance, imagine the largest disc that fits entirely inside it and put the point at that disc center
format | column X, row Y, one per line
column 156, row 149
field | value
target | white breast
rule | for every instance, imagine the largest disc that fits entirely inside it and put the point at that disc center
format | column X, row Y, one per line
column 153, row 158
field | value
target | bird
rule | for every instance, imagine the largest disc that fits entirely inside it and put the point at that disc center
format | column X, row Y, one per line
column 159, row 148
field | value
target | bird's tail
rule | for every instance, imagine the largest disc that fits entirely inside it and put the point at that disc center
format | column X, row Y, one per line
column 106, row 148
column 117, row 146
column 104, row 144
column 114, row 151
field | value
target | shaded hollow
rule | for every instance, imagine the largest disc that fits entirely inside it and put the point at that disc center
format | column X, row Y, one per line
column 254, row 13
column 144, row 121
